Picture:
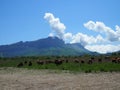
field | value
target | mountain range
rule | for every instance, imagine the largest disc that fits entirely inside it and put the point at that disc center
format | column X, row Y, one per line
column 42, row 47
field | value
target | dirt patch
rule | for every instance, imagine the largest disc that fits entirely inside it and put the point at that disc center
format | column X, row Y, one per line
column 24, row 79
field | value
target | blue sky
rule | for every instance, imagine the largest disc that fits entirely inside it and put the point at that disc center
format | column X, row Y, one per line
column 24, row 20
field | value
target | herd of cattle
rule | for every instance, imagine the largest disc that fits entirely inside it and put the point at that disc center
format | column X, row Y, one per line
column 60, row 61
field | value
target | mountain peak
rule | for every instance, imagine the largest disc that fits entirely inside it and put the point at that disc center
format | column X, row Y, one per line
column 45, row 46
column 54, row 38
column 52, row 41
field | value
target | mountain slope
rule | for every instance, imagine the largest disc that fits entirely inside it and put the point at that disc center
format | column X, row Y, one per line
column 46, row 46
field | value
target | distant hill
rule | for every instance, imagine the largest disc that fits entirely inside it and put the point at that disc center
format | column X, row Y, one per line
column 46, row 46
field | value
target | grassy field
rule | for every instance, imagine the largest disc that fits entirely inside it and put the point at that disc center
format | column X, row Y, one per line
column 70, row 65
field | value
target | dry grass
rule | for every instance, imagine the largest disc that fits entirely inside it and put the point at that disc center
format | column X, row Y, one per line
column 24, row 79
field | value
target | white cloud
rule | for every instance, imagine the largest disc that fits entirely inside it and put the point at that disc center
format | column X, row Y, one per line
column 59, row 31
column 57, row 27
column 68, row 37
column 118, row 31
column 100, row 39
column 90, row 25
column 103, row 48
column 84, row 39
column 51, row 35
column 89, row 42
column 111, row 35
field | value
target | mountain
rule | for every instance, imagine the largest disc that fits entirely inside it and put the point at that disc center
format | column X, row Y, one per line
column 46, row 46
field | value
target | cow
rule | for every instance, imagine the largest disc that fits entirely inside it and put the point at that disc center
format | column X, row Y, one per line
column 25, row 62
column 116, row 60
column 92, row 58
column 20, row 64
column 82, row 61
column 58, row 62
column 90, row 61
column 76, row 61
column 30, row 63
column 40, row 62
column 99, row 60
column 49, row 61
column 66, row 61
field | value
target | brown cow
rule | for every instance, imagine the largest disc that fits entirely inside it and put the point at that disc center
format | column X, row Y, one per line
column 99, row 60
column 40, row 62
column 49, row 61
column 76, row 61
column 116, row 60
column 58, row 62
column 90, row 62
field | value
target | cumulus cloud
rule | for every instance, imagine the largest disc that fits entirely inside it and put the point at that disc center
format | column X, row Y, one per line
column 84, row 39
column 92, row 43
column 51, row 35
column 111, row 35
column 57, row 27
column 68, row 37
column 118, row 31
column 59, row 31
column 103, row 48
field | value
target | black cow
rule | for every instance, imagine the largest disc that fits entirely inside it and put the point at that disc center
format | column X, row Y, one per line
column 99, row 60
column 92, row 58
column 30, row 63
column 82, row 61
column 114, row 61
column 25, row 62
column 20, row 64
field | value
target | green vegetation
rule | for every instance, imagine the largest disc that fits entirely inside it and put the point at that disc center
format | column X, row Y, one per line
column 71, row 65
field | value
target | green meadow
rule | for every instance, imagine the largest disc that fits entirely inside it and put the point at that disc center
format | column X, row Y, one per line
column 69, row 66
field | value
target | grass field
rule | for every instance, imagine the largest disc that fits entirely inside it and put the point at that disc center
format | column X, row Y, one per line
column 70, row 66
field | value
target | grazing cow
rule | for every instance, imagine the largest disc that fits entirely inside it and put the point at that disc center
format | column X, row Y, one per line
column 25, row 62
column 76, row 61
column 82, row 61
column 90, row 62
column 20, row 64
column 66, row 61
column 99, row 60
column 116, row 60
column 58, row 62
column 30, row 63
column 40, row 62
column 49, row 61
column 92, row 58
